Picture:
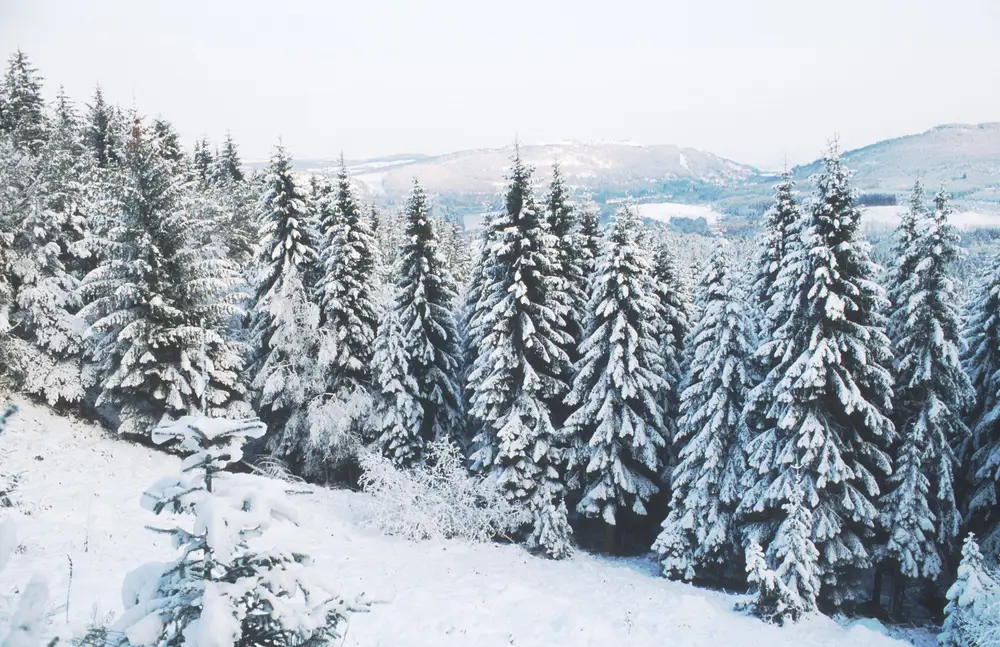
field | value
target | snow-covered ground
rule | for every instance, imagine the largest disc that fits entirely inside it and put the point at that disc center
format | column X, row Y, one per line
column 79, row 501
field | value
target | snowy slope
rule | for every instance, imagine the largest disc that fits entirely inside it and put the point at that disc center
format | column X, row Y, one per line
column 79, row 497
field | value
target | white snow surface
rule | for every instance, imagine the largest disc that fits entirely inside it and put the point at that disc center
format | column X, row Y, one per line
column 79, row 499
column 884, row 218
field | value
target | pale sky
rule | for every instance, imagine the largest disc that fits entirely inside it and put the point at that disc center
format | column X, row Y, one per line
column 752, row 80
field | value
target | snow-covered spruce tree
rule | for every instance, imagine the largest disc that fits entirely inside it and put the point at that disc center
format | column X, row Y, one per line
column 23, row 117
column 787, row 578
column 973, row 609
column 569, row 263
column 617, row 392
column 102, row 132
column 346, row 290
column 285, row 244
column 829, row 394
column 284, row 338
column 46, row 343
column 160, row 302
column 477, row 442
column 782, row 236
column 699, row 537
column 426, row 354
column 932, row 393
column 905, row 260
column 228, row 167
column 168, row 145
column 782, row 224
column 589, row 237
column 202, row 163
column 982, row 454
column 673, row 327
column 518, row 364
column 456, row 247
column 220, row 592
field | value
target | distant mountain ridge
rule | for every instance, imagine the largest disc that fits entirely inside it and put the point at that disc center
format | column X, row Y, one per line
column 963, row 158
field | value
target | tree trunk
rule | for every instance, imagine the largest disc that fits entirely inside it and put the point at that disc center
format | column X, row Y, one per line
column 898, row 588
column 611, row 539
column 877, row 586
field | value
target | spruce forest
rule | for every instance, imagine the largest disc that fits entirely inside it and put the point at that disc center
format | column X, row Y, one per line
column 790, row 419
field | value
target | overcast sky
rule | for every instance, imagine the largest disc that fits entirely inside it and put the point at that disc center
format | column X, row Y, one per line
column 752, row 80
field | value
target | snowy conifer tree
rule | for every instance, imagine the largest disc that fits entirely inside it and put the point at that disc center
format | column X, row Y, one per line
column 285, row 244
column 23, row 117
column 673, row 327
column 569, row 268
column 168, row 145
column 589, row 237
column 829, row 394
column 932, row 393
column 102, row 132
column 202, row 163
column 699, row 535
column 160, row 302
column 973, row 608
column 782, row 223
column 519, row 361
column 220, row 592
column 228, row 168
column 346, row 290
column 427, row 344
column 617, row 389
column 47, row 337
column 787, row 579
column 982, row 454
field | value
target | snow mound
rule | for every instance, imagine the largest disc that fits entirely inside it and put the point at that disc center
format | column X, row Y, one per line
column 79, row 494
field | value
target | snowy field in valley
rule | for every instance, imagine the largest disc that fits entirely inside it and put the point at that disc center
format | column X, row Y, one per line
column 886, row 218
column 664, row 211
column 78, row 499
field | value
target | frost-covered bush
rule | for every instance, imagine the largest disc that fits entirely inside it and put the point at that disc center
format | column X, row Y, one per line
column 439, row 500
column 220, row 592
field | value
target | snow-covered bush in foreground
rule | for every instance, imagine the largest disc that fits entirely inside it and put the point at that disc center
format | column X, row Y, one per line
column 219, row 592
column 439, row 500
column 972, row 617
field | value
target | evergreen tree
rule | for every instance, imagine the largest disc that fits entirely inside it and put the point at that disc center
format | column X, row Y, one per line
column 220, row 591
column 700, row 534
column 285, row 240
column 423, row 319
column 589, row 236
column 346, row 290
column 617, row 388
column 931, row 395
column 228, row 168
column 203, row 164
column 973, row 603
column 782, row 224
column 23, row 117
column 789, row 589
column 46, row 343
column 673, row 316
column 569, row 265
column 102, row 132
column 160, row 302
column 168, row 144
column 829, row 393
column 518, row 364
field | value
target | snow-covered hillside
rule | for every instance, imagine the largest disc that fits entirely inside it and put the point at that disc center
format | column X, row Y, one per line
column 78, row 501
